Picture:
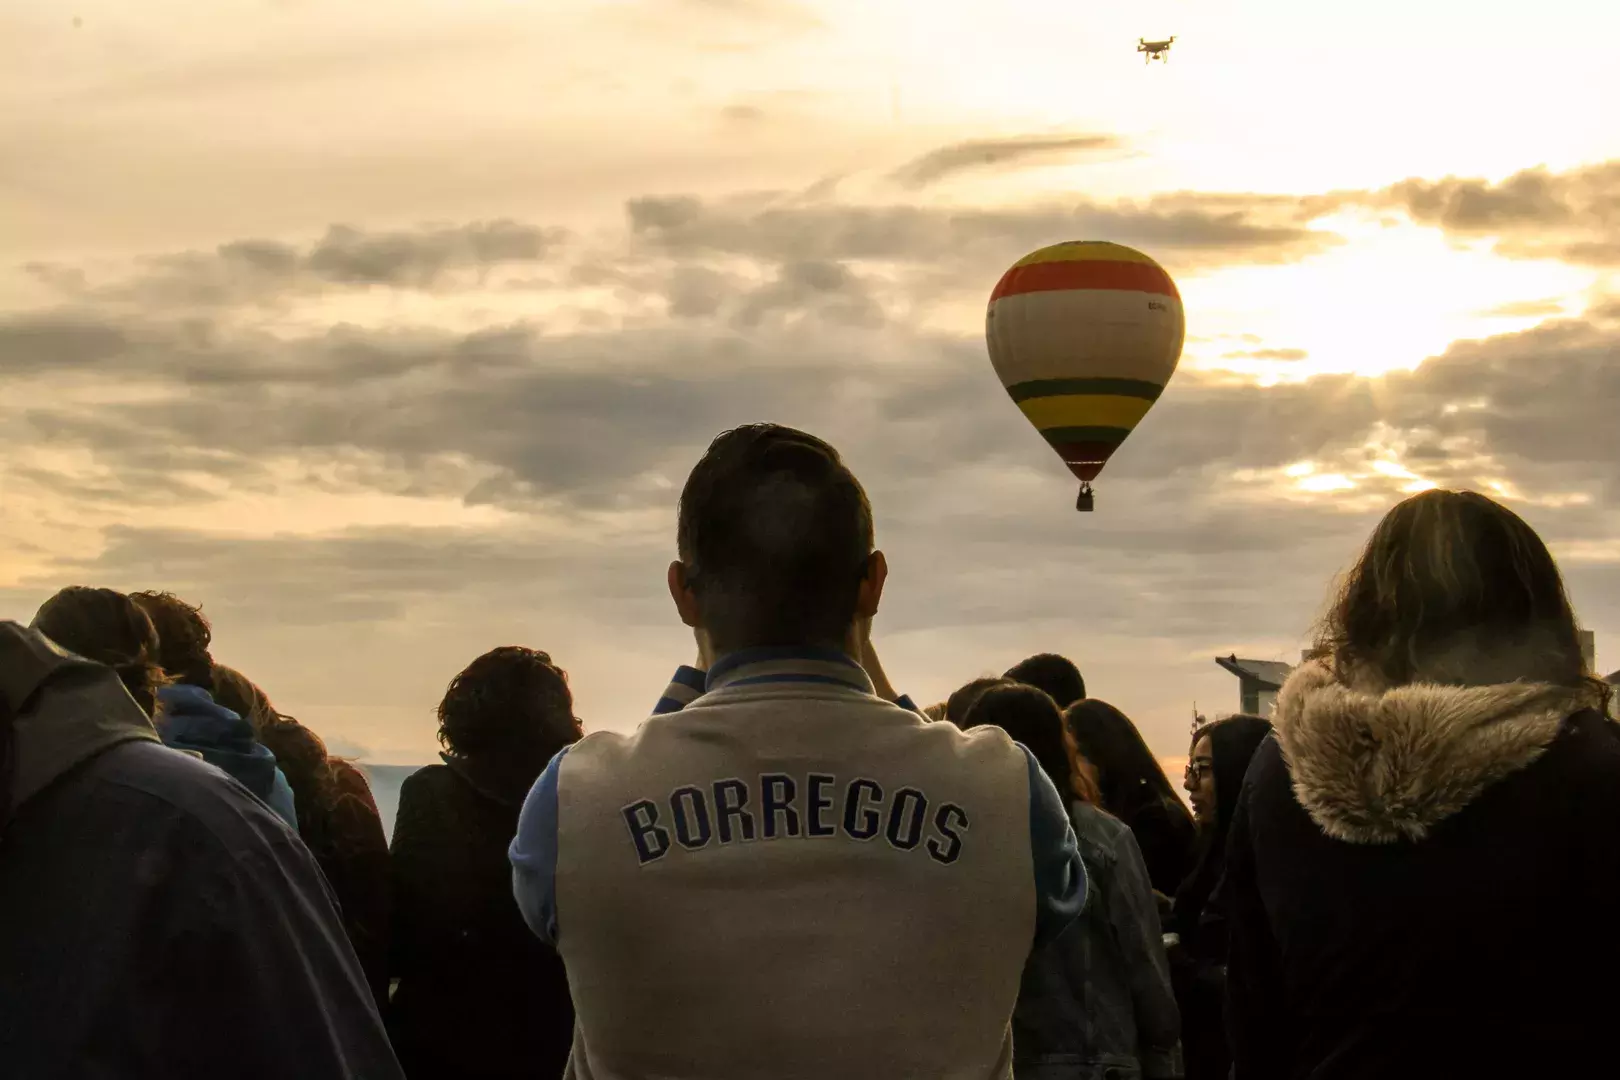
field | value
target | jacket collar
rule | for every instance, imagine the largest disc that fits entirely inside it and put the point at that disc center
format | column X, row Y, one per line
column 1375, row 764
column 793, row 664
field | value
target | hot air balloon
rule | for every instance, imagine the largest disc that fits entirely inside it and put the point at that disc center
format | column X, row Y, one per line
column 1084, row 336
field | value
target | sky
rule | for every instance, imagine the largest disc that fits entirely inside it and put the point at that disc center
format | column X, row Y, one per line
column 389, row 332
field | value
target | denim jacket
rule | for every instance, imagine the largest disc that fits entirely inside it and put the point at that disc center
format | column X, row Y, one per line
column 1096, row 1003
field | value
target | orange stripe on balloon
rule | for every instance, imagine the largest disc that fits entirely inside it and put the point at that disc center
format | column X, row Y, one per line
column 1108, row 274
column 1084, row 251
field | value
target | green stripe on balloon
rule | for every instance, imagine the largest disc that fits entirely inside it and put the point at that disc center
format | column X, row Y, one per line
column 1085, row 434
column 1039, row 388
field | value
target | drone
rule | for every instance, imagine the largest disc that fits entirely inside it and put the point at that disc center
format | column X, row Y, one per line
column 1154, row 50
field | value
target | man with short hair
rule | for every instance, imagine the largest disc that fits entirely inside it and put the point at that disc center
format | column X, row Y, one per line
column 785, row 874
column 1055, row 674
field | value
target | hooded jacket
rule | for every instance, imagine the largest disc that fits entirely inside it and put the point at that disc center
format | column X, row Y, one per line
column 1413, row 877
column 155, row 920
column 192, row 720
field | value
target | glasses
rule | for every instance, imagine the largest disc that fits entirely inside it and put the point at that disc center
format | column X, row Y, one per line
column 1196, row 769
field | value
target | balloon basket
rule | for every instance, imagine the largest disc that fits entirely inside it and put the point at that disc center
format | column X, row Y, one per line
column 1086, row 501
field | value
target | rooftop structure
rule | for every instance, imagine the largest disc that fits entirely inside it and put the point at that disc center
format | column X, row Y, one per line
column 1258, row 682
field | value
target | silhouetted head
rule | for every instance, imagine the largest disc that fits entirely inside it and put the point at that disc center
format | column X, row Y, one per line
column 962, row 699
column 1219, row 756
column 1128, row 775
column 242, row 696
column 511, row 702
column 183, row 635
column 300, row 753
column 1453, row 588
column 1031, row 718
column 775, row 543
column 108, row 627
column 1217, row 762
column 1055, row 674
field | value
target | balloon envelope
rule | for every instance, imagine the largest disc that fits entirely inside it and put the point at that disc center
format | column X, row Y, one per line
column 1084, row 336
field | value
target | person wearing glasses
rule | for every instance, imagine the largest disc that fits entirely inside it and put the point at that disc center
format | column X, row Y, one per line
column 1197, row 928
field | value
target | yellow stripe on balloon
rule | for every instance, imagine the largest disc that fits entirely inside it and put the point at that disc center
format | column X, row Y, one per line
column 1084, row 253
column 1085, row 410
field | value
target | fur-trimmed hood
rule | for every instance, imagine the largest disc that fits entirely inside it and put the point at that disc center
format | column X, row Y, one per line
column 1375, row 765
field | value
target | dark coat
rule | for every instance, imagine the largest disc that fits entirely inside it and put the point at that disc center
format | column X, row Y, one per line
column 1415, row 882
column 479, row 996
column 348, row 840
column 1166, row 836
column 156, row 920
column 1198, row 960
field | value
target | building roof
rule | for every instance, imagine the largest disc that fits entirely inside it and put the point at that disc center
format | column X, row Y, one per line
column 1612, row 677
column 1269, row 674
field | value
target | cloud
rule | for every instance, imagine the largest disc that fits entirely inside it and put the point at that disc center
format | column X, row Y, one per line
column 1219, row 522
column 256, row 270
column 1522, row 309
column 1573, row 216
column 1186, row 229
column 1266, row 354
column 940, row 164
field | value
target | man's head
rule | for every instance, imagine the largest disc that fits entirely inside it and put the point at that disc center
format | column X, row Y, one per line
column 183, row 637
column 1055, row 674
column 775, row 542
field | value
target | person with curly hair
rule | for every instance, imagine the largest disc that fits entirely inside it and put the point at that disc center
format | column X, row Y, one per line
column 479, row 996
column 190, row 719
column 337, row 819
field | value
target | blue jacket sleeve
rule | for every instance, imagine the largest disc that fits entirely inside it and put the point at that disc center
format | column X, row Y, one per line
column 281, row 799
column 687, row 686
column 534, row 854
column 1060, row 875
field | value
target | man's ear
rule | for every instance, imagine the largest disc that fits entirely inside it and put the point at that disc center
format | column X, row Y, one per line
column 685, row 599
column 871, row 593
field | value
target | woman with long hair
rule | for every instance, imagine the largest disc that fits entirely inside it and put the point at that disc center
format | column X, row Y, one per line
column 1135, row 790
column 1096, row 1001
column 1216, row 762
column 479, row 996
column 1419, row 861
column 337, row 820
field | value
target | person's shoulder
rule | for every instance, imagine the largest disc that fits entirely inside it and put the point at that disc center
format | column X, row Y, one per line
column 199, row 797
column 1268, row 768
column 351, row 779
column 605, row 751
column 1098, row 821
column 1101, row 835
column 428, row 776
column 1587, row 752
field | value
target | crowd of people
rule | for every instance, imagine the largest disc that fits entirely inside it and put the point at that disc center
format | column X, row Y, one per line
column 790, row 870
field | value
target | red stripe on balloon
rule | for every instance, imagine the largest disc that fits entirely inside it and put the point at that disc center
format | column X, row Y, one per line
column 1095, row 274
column 1085, row 459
